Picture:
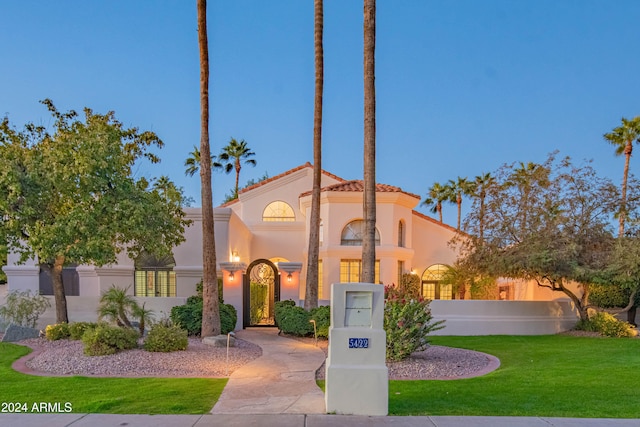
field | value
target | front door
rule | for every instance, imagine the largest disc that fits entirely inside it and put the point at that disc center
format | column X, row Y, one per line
column 261, row 291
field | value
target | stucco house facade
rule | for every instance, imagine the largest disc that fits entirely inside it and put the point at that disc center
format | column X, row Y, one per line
column 261, row 250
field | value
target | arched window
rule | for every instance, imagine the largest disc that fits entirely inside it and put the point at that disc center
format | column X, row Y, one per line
column 352, row 234
column 154, row 277
column 401, row 232
column 278, row 211
column 432, row 286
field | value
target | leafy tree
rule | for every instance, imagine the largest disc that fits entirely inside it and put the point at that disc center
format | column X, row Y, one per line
column 437, row 194
column 69, row 196
column 622, row 138
column 564, row 235
column 210, row 305
column 369, row 194
column 231, row 158
column 311, row 293
column 3, row 262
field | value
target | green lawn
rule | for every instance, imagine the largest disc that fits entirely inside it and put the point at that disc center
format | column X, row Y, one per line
column 107, row 395
column 550, row 375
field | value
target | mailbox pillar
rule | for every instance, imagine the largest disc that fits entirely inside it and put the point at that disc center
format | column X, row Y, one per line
column 357, row 379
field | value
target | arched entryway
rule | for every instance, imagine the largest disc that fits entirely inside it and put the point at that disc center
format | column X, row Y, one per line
column 261, row 285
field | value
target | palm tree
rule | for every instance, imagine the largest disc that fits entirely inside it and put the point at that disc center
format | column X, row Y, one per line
column 210, row 307
column 369, row 202
column 311, row 294
column 437, row 194
column 232, row 155
column 481, row 184
column 458, row 188
column 115, row 304
column 192, row 163
column 622, row 139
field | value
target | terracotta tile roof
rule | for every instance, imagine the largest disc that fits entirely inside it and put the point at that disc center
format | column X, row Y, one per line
column 357, row 186
column 435, row 221
column 289, row 172
column 273, row 178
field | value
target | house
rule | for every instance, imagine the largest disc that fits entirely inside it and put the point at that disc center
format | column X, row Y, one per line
column 261, row 251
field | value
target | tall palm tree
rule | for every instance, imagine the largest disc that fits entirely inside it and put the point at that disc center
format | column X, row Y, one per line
column 369, row 196
column 437, row 194
column 482, row 183
column 311, row 294
column 192, row 163
column 460, row 187
column 232, row 155
column 210, row 307
column 622, row 139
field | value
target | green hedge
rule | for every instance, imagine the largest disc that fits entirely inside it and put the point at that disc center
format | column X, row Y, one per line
column 77, row 329
column 56, row 332
column 105, row 339
column 165, row 338
column 607, row 325
column 189, row 316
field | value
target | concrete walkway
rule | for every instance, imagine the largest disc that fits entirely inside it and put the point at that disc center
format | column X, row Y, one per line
column 282, row 381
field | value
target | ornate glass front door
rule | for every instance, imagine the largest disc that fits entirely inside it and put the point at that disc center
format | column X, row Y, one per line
column 261, row 292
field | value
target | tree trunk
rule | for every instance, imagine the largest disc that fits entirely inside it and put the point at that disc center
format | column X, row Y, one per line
column 237, row 167
column 459, row 203
column 62, row 315
column 623, row 197
column 369, row 199
column 210, row 307
column 311, row 293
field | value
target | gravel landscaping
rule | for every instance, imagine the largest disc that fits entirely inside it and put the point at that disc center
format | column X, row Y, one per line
column 434, row 363
column 65, row 357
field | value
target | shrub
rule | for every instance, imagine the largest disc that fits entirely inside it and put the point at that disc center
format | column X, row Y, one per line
column 106, row 339
column 57, row 332
column 295, row 321
column 115, row 305
column 165, row 337
column 279, row 306
column 322, row 316
column 607, row 325
column 189, row 316
column 610, row 296
column 407, row 322
column 77, row 329
column 24, row 309
column 228, row 318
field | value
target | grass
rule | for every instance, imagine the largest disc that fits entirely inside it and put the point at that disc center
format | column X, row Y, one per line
column 548, row 375
column 539, row 376
column 107, row 395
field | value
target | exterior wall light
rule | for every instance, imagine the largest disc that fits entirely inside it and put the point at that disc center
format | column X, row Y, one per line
column 289, row 277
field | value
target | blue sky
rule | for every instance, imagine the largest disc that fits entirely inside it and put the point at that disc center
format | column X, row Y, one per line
column 463, row 86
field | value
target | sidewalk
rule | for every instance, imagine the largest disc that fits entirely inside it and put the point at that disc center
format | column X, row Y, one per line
column 295, row 420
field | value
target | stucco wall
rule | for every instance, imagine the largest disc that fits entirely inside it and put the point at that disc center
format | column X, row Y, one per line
column 477, row 317
column 85, row 309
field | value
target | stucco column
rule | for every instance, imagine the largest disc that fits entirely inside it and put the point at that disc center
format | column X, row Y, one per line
column 290, row 281
column 232, row 287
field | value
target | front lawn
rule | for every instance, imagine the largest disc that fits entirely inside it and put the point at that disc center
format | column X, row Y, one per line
column 549, row 375
column 106, row 395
